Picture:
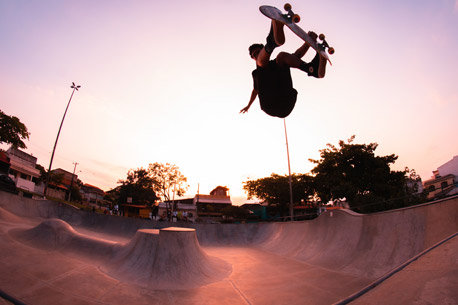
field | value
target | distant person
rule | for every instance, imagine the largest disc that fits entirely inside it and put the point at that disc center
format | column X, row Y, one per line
column 185, row 216
column 272, row 78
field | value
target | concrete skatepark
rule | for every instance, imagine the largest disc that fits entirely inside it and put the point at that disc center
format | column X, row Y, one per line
column 55, row 254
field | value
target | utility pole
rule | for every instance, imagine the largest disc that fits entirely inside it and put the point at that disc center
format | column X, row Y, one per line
column 290, row 179
column 74, row 87
column 71, row 183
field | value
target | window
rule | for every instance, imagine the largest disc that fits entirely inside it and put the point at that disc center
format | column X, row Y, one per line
column 444, row 184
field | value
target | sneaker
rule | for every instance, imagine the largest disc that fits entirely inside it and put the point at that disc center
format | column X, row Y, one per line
column 314, row 66
column 313, row 35
column 276, row 36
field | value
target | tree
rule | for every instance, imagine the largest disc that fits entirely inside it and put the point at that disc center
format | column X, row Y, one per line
column 235, row 212
column 12, row 131
column 51, row 177
column 75, row 194
column 275, row 190
column 167, row 179
column 352, row 171
column 138, row 186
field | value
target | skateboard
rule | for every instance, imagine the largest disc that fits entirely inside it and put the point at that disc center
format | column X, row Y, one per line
column 290, row 20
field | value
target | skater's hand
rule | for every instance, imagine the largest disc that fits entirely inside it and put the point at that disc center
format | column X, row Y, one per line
column 245, row 110
column 254, row 94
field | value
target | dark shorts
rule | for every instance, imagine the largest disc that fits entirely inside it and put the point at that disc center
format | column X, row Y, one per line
column 275, row 89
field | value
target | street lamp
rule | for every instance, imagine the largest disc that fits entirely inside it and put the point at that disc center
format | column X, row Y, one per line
column 74, row 87
column 71, row 183
column 290, row 180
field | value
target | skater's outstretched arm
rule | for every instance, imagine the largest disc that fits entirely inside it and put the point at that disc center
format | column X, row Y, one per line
column 254, row 94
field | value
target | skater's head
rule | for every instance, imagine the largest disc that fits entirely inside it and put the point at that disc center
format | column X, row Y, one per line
column 254, row 50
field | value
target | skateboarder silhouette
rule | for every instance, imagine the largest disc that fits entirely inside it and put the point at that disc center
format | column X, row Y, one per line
column 272, row 78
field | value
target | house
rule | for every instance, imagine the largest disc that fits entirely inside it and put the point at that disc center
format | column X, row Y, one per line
column 210, row 206
column 23, row 169
column 181, row 206
column 91, row 194
column 444, row 181
column 137, row 211
column 61, row 190
column 203, row 207
column 441, row 186
column 67, row 177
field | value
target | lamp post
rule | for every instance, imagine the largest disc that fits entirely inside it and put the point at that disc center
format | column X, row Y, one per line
column 74, row 87
column 290, row 180
column 71, row 183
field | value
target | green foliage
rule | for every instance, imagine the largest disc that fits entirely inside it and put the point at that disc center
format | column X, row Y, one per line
column 352, row 171
column 138, row 186
column 146, row 186
column 167, row 179
column 54, row 178
column 75, row 193
column 275, row 189
column 43, row 174
column 235, row 212
column 12, row 131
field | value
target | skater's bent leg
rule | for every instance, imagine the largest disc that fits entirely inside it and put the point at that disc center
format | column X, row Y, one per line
column 279, row 34
column 276, row 36
column 288, row 60
column 302, row 50
column 322, row 67
column 263, row 58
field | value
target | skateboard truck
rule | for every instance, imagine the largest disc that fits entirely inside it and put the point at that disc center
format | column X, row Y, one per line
column 295, row 18
column 324, row 44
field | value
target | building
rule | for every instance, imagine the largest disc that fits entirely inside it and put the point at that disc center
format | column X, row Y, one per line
column 181, row 206
column 23, row 169
column 62, row 189
column 67, row 177
column 137, row 211
column 444, row 181
column 209, row 207
column 450, row 167
column 441, row 186
column 201, row 207
column 91, row 194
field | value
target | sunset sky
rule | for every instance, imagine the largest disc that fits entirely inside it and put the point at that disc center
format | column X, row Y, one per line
column 164, row 81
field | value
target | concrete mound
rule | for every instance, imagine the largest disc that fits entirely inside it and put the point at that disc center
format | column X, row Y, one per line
column 169, row 258
column 7, row 216
column 58, row 235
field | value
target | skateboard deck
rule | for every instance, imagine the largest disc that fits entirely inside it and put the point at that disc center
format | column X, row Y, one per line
column 290, row 19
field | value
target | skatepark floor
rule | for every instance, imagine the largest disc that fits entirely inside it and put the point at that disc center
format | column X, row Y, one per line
column 33, row 272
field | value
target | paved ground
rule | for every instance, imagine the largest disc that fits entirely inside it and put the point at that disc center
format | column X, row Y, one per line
column 54, row 254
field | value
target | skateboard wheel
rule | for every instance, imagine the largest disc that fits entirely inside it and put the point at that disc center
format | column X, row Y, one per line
column 322, row 37
column 331, row 50
column 287, row 7
column 296, row 18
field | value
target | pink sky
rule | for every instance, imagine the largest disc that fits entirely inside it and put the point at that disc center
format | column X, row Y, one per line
column 163, row 81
